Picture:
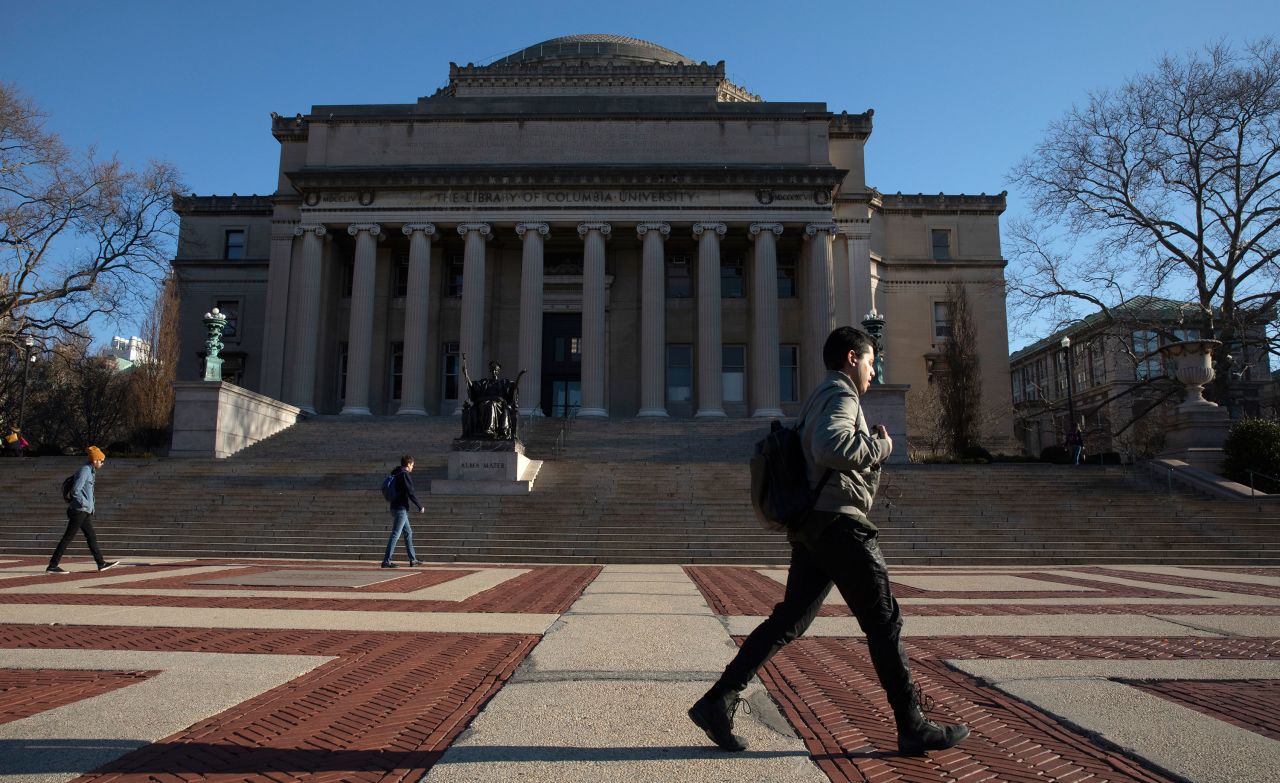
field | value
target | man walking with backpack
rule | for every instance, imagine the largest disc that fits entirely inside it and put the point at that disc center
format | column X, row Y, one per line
column 78, row 492
column 397, row 488
column 835, row 543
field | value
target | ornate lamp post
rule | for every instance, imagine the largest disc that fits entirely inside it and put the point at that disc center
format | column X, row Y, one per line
column 215, row 322
column 1071, row 392
column 873, row 322
column 27, row 359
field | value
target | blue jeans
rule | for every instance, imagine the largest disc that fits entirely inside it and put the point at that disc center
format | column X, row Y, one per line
column 400, row 524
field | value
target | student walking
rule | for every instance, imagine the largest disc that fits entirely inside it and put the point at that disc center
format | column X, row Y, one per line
column 400, row 496
column 836, row 544
column 80, row 509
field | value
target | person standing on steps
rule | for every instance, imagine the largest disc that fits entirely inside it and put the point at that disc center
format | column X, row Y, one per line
column 836, row 544
column 80, row 509
column 402, row 497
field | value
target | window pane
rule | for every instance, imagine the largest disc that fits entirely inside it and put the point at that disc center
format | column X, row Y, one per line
column 234, row 247
column 731, row 279
column 786, row 279
column 788, row 378
column 451, row 371
column 679, row 373
column 679, row 278
column 941, row 244
column 231, row 309
column 733, row 372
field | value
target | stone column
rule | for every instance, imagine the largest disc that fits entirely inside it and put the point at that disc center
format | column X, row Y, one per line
column 308, row 320
column 858, row 240
column 594, row 349
column 413, row 383
column 360, row 333
column 533, row 235
column 764, row 321
column 471, row 330
column 277, row 311
column 653, row 319
column 710, row 380
column 818, row 305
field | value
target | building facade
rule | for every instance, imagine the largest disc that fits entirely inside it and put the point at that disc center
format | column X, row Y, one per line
column 638, row 233
column 1112, row 376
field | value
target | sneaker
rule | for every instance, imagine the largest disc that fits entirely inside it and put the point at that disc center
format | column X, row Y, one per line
column 112, row 564
column 55, row 570
column 415, row 563
column 390, row 565
column 714, row 715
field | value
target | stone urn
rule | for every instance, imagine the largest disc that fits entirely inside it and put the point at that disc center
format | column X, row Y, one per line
column 1193, row 365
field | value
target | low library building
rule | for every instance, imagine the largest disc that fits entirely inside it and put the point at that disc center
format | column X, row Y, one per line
column 641, row 235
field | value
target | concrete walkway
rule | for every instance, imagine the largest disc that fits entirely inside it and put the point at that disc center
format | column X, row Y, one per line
column 603, row 697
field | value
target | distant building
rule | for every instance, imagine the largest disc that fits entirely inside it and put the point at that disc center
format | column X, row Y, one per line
column 1121, row 387
column 642, row 235
column 128, row 351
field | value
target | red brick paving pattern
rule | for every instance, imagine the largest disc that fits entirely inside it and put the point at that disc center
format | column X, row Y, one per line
column 1250, row 704
column 828, row 690
column 405, row 580
column 27, row 692
column 743, row 590
column 1208, row 583
column 385, row 710
column 544, row 590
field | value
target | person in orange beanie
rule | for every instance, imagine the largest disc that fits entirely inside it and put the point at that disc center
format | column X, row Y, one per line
column 78, row 492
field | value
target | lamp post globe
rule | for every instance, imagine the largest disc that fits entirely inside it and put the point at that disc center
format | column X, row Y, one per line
column 29, row 343
column 1071, row 408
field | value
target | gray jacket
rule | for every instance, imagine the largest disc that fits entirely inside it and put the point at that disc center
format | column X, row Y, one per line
column 835, row 435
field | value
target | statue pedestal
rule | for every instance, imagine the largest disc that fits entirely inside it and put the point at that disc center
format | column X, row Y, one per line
column 1196, row 436
column 487, row 467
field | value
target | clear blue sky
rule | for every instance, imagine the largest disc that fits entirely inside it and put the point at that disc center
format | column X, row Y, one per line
column 961, row 90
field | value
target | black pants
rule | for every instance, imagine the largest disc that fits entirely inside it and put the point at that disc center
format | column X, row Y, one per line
column 77, row 520
column 848, row 556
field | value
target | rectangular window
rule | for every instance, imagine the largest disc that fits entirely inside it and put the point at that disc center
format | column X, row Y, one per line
column 733, row 372
column 342, row 372
column 941, row 239
column 400, row 286
column 679, row 373
column 453, row 281
column 731, row 278
column 679, row 278
column 1146, row 347
column 450, row 352
column 1097, row 363
column 567, row 349
column 233, row 246
column 789, row 373
column 1060, row 372
column 941, row 321
column 787, row 277
column 397, row 369
column 231, row 309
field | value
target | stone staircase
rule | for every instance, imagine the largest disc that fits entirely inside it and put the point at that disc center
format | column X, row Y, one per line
column 617, row 490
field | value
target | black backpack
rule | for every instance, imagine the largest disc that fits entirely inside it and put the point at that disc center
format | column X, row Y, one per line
column 780, row 480
column 68, row 484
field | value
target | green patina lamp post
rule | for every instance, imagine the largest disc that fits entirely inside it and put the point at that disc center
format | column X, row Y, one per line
column 874, row 324
column 215, row 322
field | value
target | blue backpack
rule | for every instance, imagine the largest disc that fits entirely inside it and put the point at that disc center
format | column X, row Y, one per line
column 389, row 487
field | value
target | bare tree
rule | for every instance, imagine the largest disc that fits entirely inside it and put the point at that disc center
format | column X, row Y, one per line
column 150, row 389
column 959, row 381
column 76, row 232
column 1168, row 186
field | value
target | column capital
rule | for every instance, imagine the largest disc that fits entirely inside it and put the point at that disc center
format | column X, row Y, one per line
column 604, row 228
column 541, row 228
column 814, row 229
column 427, row 228
column 373, row 228
column 662, row 228
column 310, row 228
column 720, row 228
column 483, row 229
column 757, row 228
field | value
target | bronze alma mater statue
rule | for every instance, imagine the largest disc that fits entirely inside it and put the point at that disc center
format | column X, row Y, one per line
column 492, row 408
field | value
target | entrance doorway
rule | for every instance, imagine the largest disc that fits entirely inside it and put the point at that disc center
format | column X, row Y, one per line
column 561, row 363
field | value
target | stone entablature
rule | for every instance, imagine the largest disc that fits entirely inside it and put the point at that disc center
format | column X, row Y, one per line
column 777, row 178
column 944, row 203
column 593, row 79
column 223, row 205
column 851, row 126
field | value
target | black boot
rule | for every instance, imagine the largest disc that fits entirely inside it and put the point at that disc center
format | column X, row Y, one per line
column 918, row 735
column 713, row 713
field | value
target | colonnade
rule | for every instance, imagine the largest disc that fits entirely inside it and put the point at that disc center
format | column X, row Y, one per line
column 818, row 305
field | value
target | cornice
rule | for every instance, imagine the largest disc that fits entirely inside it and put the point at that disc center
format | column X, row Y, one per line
column 406, row 177
column 944, row 203
column 850, row 126
column 223, row 205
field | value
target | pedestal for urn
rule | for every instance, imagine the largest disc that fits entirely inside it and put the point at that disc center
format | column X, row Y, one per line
column 1199, row 427
column 480, row 466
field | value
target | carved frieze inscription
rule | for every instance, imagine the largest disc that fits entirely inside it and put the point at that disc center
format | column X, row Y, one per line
column 525, row 198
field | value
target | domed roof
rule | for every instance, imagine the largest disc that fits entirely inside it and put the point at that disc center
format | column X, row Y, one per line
column 595, row 46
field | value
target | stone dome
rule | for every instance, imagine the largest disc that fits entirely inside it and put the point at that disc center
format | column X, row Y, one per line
column 595, row 47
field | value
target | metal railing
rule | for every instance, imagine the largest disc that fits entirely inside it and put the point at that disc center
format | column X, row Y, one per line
column 566, row 426
column 1252, row 473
